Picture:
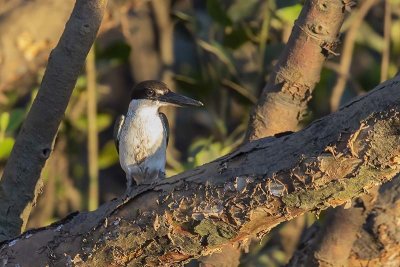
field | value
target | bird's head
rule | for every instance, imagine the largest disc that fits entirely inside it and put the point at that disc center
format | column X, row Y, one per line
column 159, row 92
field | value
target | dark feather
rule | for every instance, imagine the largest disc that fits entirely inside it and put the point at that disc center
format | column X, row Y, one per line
column 164, row 120
column 117, row 130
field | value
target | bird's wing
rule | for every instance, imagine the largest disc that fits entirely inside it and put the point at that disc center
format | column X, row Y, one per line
column 117, row 130
column 165, row 125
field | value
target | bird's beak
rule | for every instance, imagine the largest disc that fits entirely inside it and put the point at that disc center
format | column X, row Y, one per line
column 179, row 100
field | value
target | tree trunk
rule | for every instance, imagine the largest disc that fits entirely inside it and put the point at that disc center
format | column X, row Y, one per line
column 285, row 97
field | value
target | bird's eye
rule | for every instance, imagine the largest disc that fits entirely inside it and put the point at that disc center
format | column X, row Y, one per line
column 150, row 92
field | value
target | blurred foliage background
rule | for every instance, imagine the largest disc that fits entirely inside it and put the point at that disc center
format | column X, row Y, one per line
column 220, row 52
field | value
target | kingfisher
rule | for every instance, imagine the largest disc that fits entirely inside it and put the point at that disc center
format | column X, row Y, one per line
column 141, row 137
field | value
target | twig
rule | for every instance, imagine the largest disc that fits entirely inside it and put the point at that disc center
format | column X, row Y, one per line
column 92, row 131
column 347, row 53
column 356, row 86
column 386, row 49
column 240, row 89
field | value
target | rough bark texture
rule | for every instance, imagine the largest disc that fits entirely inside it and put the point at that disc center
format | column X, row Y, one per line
column 234, row 198
column 285, row 97
column 19, row 184
column 375, row 244
column 331, row 246
column 335, row 241
column 378, row 242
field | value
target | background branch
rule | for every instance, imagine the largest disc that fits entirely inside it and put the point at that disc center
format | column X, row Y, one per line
column 19, row 184
column 386, row 35
column 285, row 97
column 93, row 142
column 347, row 52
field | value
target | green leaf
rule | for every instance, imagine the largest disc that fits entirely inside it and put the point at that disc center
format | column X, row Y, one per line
column 4, row 120
column 367, row 36
column 221, row 53
column 395, row 35
column 103, row 121
column 241, row 9
column 17, row 116
column 289, row 14
column 108, row 155
column 6, row 146
column 208, row 154
column 81, row 82
column 199, row 144
column 217, row 13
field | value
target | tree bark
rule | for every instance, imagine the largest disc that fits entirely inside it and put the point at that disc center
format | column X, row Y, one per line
column 19, row 184
column 374, row 241
column 285, row 97
column 234, row 198
column 331, row 245
column 378, row 242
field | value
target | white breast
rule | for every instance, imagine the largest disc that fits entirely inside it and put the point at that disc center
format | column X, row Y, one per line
column 142, row 141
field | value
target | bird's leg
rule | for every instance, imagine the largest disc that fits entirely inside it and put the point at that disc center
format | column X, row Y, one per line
column 156, row 176
column 161, row 175
column 132, row 178
column 128, row 183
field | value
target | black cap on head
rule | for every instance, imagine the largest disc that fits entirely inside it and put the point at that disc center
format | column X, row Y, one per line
column 158, row 91
column 151, row 90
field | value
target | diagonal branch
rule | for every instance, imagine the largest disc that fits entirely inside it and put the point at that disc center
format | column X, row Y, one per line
column 241, row 195
column 20, row 182
column 284, row 99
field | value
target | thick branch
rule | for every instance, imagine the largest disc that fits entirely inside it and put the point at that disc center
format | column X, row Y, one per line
column 232, row 199
column 331, row 245
column 379, row 239
column 375, row 244
column 19, row 184
column 290, row 86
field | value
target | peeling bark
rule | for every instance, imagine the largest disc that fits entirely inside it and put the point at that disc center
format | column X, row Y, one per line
column 20, row 183
column 284, row 99
column 378, row 242
column 375, row 244
column 234, row 198
column 331, row 245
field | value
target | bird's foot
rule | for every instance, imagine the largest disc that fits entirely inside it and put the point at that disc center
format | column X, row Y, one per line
column 128, row 192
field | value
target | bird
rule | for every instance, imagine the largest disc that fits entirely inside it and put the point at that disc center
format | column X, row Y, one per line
column 141, row 137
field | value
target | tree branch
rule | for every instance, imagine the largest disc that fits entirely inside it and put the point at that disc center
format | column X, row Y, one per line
column 376, row 243
column 347, row 53
column 291, row 84
column 19, row 185
column 379, row 239
column 234, row 198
